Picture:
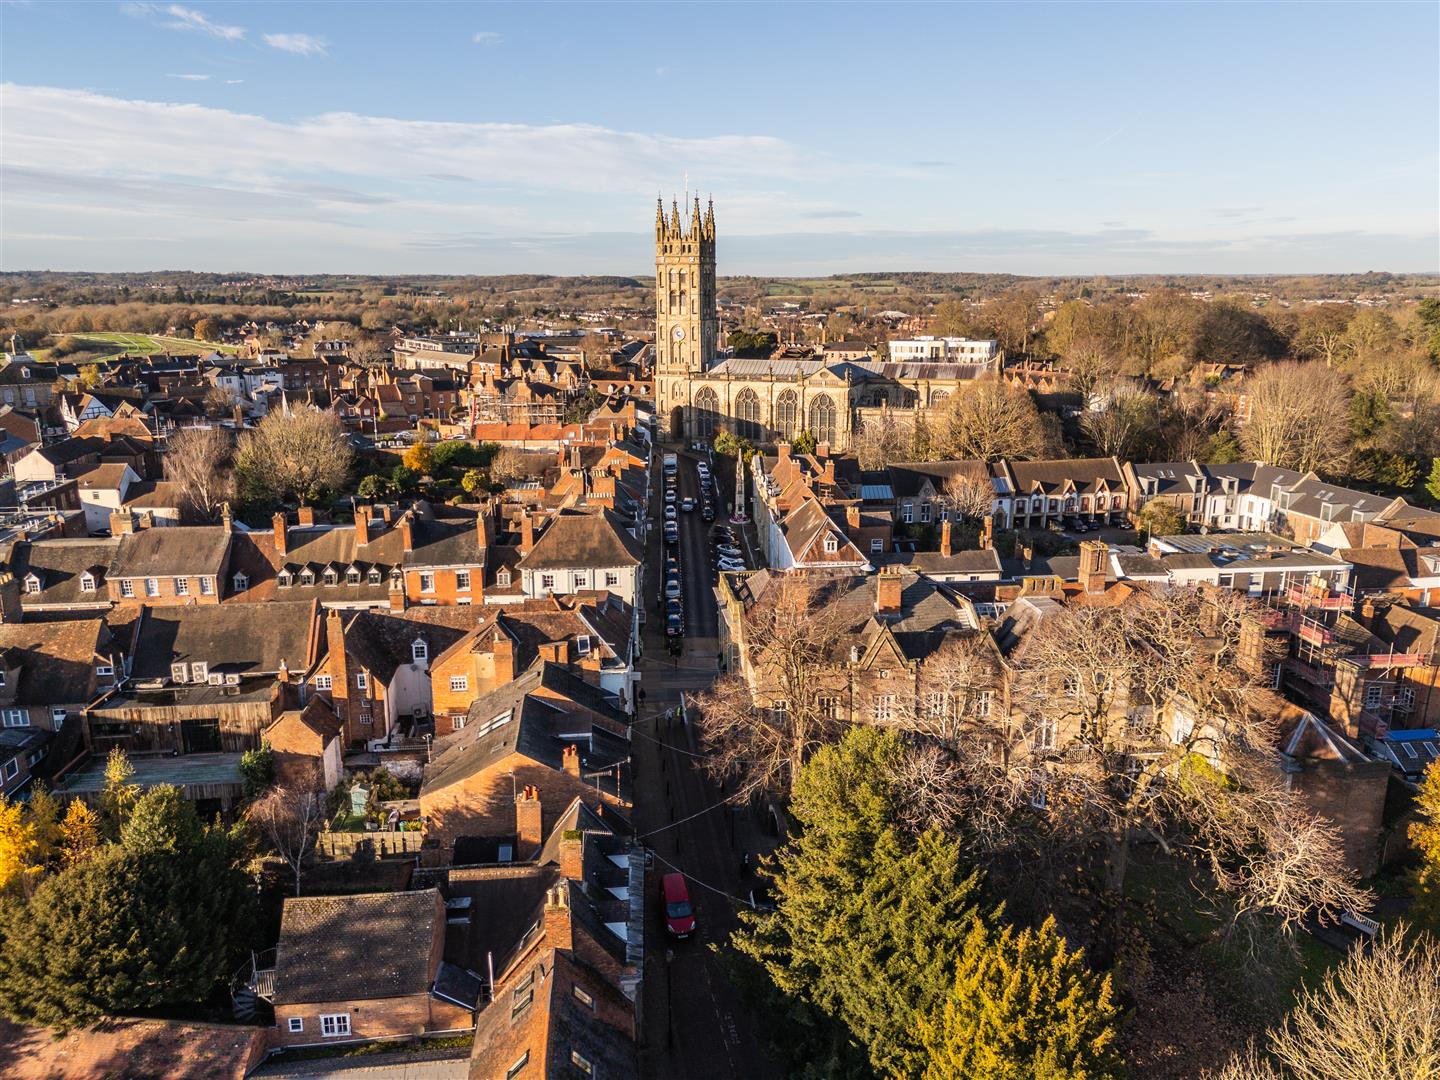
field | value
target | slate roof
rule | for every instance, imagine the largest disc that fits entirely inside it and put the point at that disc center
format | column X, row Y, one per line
column 977, row 561
column 908, row 478
column 355, row 948
column 59, row 564
column 1051, row 476
column 180, row 549
column 509, row 719
column 247, row 639
column 587, row 539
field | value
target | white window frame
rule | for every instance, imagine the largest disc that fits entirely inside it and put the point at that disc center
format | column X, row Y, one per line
column 127, row 587
column 459, row 683
column 207, row 586
column 547, row 582
column 87, row 582
column 297, row 1025
column 502, row 577
column 832, row 545
column 12, row 768
column 520, row 1063
column 17, row 717
column 427, row 581
column 242, row 582
column 419, row 651
column 104, row 671
column 338, row 1025
column 612, row 579
column 462, row 580
column 324, row 682
column 1374, row 696
column 1046, row 733
column 182, row 586
column 362, row 681
column 582, row 1063
column 152, row 586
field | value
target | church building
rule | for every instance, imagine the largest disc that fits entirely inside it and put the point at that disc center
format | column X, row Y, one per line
column 697, row 392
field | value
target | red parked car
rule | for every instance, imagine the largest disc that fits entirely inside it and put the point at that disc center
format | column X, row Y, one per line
column 679, row 912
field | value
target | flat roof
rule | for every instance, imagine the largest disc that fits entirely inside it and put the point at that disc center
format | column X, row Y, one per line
column 182, row 771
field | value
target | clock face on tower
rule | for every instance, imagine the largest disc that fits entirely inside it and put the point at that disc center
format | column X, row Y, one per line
column 678, row 333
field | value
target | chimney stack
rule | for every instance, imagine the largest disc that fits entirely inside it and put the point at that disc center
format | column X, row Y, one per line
column 1027, row 555
column 362, row 525
column 946, row 550
column 572, row 855
column 887, row 591
column 527, row 533
column 278, row 524
column 503, row 654
column 407, row 531
column 306, row 516
column 1093, row 555
column 529, row 827
column 852, row 516
column 570, row 760
column 397, row 592
column 782, row 451
column 558, row 931
column 122, row 522
column 987, row 532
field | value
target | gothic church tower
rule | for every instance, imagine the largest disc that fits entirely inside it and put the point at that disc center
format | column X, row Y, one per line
column 686, row 325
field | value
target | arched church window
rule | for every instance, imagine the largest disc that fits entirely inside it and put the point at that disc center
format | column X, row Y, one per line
column 787, row 408
column 822, row 418
column 747, row 416
column 707, row 409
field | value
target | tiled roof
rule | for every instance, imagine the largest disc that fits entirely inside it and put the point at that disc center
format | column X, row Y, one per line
column 57, row 659
column 198, row 549
column 247, row 639
column 583, row 539
column 355, row 948
column 60, row 564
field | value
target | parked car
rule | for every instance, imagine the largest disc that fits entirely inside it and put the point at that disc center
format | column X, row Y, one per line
column 687, row 504
column 672, row 588
column 708, row 512
column 730, row 566
column 672, row 534
column 674, row 625
column 729, row 551
column 675, row 899
column 670, row 495
column 670, row 514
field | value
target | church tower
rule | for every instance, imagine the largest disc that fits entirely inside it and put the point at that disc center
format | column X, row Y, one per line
column 686, row 324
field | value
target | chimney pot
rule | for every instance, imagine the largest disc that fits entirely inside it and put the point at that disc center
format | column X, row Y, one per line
column 887, row 591
column 529, row 827
column 570, row 760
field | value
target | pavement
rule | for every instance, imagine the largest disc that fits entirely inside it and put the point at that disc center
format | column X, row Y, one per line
column 694, row 1022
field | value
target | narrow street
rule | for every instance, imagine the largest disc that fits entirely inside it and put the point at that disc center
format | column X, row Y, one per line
column 694, row 1022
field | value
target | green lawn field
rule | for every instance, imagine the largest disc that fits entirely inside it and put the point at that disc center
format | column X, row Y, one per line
column 109, row 344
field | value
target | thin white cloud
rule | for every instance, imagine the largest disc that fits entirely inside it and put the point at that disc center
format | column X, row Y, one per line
column 487, row 37
column 299, row 44
column 178, row 17
column 233, row 82
column 96, row 134
column 188, row 77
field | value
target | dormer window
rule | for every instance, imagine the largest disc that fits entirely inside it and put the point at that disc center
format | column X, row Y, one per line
column 419, row 651
column 307, row 576
column 32, row 583
column 374, row 577
column 87, row 582
column 352, row 576
column 284, row 579
column 502, row 578
column 331, row 577
column 241, row 583
column 832, row 545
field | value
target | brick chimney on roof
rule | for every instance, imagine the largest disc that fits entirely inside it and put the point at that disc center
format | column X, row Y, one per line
column 281, row 536
column 529, row 827
column 572, row 855
column 407, row 532
column 887, row 591
column 1093, row 556
column 558, row 931
column 987, row 532
column 527, row 533
column 362, row 525
column 570, row 759
column 306, row 516
column 852, row 516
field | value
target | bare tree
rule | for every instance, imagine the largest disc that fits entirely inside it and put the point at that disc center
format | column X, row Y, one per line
column 788, row 694
column 219, row 401
column 1125, row 424
column 1375, row 1017
column 510, row 464
column 969, row 494
column 1134, row 721
column 1296, row 416
column 990, row 420
column 298, row 455
column 883, row 439
column 198, row 460
column 290, row 816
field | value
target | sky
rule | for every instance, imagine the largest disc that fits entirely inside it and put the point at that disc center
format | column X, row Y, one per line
column 404, row 138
